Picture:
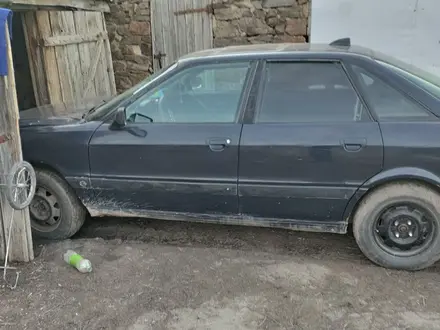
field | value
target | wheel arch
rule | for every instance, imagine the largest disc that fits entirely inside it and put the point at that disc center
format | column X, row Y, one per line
column 38, row 165
column 45, row 166
column 403, row 175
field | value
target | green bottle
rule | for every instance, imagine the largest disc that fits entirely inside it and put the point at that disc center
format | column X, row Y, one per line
column 77, row 261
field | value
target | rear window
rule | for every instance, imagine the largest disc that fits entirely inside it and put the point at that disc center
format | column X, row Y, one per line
column 388, row 103
column 418, row 77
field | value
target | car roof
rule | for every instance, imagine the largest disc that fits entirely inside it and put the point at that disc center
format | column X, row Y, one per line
column 264, row 50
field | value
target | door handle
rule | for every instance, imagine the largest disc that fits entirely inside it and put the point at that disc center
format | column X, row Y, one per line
column 353, row 145
column 218, row 144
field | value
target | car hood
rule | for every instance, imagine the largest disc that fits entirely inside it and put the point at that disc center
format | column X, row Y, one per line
column 57, row 114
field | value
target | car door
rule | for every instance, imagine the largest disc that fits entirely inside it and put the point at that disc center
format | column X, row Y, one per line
column 310, row 144
column 179, row 148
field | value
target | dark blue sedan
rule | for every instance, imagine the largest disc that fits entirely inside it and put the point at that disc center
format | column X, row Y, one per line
column 295, row 136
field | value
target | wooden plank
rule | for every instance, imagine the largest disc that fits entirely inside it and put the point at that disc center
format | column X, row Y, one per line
column 193, row 10
column 36, row 63
column 62, row 58
column 103, row 88
column 74, row 62
column 170, row 46
column 109, row 59
column 91, row 27
column 198, row 29
column 50, row 59
column 21, row 248
column 167, row 42
column 191, row 31
column 156, row 31
column 206, row 33
column 92, row 68
column 96, row 5
column 84, row 52
column 181, row 27
column 73, row 39
column 155, row 23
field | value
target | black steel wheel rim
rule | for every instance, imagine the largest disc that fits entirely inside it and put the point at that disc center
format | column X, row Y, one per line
column 405, row 229
column 45, row 211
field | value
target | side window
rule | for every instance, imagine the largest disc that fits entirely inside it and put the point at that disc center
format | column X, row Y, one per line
column 298, row 92
column 200, row 94
column 388, row 103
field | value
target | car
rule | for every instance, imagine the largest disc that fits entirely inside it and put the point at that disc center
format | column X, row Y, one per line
column 297, row 136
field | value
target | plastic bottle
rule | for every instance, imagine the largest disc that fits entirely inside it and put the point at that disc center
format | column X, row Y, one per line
column 77, row 261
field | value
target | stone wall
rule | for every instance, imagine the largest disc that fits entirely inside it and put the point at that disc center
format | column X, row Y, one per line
column 129, row 29
column 235, row 22
column 238, row 22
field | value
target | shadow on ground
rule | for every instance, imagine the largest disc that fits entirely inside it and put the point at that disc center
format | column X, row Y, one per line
column 178, row 233
column 159, row 275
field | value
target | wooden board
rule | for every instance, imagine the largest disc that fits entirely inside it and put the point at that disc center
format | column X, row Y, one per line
column 74, row 50
column 21, row 248
column 95, row 5
column 180, row 27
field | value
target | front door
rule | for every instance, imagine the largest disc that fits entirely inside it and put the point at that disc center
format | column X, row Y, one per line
column 179, row 149
column 311, row 146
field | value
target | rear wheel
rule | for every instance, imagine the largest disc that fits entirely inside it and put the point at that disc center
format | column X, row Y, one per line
column 398, row 226
column 56, row 212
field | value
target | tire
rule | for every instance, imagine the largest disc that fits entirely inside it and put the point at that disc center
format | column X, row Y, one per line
column 72, row 213
column 383, row 199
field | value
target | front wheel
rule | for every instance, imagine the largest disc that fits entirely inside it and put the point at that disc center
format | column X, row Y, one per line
column 55, row 211
column 398, row 226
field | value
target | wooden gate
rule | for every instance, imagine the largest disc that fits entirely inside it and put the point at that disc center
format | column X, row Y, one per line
column 180, row 27
column 70, row 56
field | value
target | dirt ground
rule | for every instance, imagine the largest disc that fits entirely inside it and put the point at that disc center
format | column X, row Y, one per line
column 172, row 275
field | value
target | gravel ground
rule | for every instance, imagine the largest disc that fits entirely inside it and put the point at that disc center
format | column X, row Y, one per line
column 172, row 275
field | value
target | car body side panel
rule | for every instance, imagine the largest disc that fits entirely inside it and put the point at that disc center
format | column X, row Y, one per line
column 411, row 153
column 172, row 168
column 412, row 145
column 411, row 149
column 302, row 171
column 64, row 149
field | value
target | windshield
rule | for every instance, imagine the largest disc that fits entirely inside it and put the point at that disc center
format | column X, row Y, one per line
column 425, row 80
column 113, row 103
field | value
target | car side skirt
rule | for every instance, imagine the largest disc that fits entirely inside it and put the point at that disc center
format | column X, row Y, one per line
column 243, row 220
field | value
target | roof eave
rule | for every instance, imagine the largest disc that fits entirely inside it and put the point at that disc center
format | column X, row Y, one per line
column 91, row 5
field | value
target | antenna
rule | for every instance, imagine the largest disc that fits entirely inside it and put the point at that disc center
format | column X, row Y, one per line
column 344, row 42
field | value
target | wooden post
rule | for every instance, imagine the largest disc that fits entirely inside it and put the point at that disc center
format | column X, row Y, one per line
column 20, row 248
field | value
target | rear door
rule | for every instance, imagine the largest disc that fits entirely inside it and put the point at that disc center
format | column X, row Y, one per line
column 309, row 146
column 179, row 149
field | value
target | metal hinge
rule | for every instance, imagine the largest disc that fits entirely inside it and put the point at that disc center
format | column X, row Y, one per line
column 208, row 9
column 159, row 57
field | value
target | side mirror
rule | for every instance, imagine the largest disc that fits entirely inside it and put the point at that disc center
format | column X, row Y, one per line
column 120, row 118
